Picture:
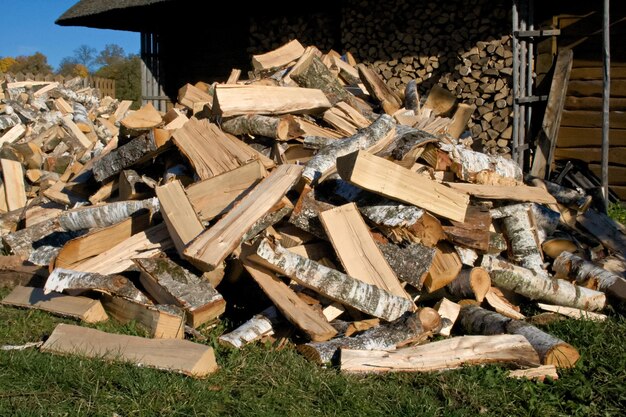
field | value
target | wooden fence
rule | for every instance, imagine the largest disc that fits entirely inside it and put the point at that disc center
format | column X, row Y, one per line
column 104, row 85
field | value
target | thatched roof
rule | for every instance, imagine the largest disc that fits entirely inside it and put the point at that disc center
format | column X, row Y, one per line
column 111, row 14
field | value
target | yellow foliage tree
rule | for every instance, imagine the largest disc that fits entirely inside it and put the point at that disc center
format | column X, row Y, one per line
column 80, row 70
column 6, row 63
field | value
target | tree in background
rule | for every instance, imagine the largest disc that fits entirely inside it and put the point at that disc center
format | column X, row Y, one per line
column 86, row 55
column 36, row 63
column 6, row 63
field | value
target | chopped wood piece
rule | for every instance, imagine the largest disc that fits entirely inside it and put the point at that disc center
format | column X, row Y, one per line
column 216, row 195
column 412, row 97
column 178, row 214
column 331, row 283
column 473, row 232
column 170, row 283
column 480, row 168
column 462, row 115
column 209, row 150
column 78, row 136
column 449, row 312
column 98, row 241
column 540, row 373
column 391, row 180
column 193, row 98
column 105, row 215
column 182, row 356
column 13, row 134
column 14, row 191
column 409, row 263
column 281, row 128
column 15, row 271
column 470, row 283
column 440, row 100
column 324, row 161
column 551, row 350
column 538, row 286
column 213, row 245
column 82, row 308
column 236, row 100
column 312, row 73
column 65, row 279
column 123, row 157
column 145, row 118
column 496, row 299
column 568, row 265
column 563, row 195
column 235, row 73
column 356, row 249
column 445, row 267
column 442, row 355
column 604, row 229
column 555, row 246
column 574, row 313
column 377, row 88
column 384, row 336
column 311, row 322
column 505, row 192
column 162, row 321
column 283, row 55
column 257, row 327
column 545, row 221
column 144, row 244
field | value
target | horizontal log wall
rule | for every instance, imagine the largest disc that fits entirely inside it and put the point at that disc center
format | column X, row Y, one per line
column 463, row 46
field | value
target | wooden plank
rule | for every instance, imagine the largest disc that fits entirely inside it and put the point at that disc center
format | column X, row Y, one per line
column 445, row 354
column 235, row 100
column 584, row 118
column 212, row 246
column 617, row 174
column 283, row 55
column 593, row 103
column 595, row 73
column 215, row 196
column 357, row 251
column 98, row 241
column 13, row 134
column 178, row 214
column 208, row 149
column 169, row 283
column 82, row 308
column 162, row 321
column 594, row 88
column 548, row 134
column 393, row 181
column 617, row 155
column 589, row 136
column 13, row 184
column 504, row 192
column 176, row 355
column 295, row 309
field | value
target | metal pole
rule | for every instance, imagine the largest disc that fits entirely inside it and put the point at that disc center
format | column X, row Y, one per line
column 606, row 92
column 515, row 135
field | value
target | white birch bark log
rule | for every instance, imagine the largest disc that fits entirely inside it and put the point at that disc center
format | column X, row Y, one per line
column 468, row 164
column 259, row 325
column 105, row 215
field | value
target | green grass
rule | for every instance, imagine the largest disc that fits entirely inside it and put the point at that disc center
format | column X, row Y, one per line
column 262, row 380
column 618, row 213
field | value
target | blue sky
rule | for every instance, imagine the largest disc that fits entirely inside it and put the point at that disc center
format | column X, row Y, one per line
column 27, row 26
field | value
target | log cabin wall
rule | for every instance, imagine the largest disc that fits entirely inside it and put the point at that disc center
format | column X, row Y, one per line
column 462, row 46
column 580, row 133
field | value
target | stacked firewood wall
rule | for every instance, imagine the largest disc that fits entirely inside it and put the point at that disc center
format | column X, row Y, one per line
column 464, row 46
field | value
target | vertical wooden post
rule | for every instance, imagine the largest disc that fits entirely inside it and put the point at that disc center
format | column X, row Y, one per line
column 515, row 18
column 606, row 92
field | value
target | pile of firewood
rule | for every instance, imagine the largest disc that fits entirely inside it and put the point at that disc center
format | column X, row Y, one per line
column 355, row 208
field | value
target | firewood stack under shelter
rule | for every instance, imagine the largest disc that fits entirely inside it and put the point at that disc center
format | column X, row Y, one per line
column 360, row 211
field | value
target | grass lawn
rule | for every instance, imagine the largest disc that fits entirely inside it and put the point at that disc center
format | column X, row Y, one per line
column 262, row 380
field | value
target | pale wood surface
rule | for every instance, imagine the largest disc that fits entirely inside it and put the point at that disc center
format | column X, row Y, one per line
column 283, row 55
column 14, row 191
column 182, row 356
column 145, row 118
column 505, row 192
column 574, row 313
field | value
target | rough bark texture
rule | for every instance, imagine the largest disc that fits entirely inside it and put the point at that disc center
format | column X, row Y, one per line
column 122, row 157
column 411, row 97
column 326, row 158
column 410, row 263
column 565, row 196
column 470, row 283
column 541, row 287
column 104, row 215
column 382, row 337
column 546, row 221
column 405, row 140
column 7, row 121
column 588, row 274
column 64, row 279
column 258, row 326
column 333, row 284
column 258, row 125
column 305, row 214
column 314, row 74
column 519, row 228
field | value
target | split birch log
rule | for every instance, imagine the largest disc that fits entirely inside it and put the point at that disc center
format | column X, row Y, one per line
column 9, row 120
column 546, row 221
column 123, row 157
column 470, row 283
column 551, row 350
column 305, row 214
column 412, row 97
column 442, row 355
column 145, row 118
column 14, row 191
column 541, row 287
column 161, row 321
column 260, row 325
column 449, row 312
column 565, row 196
column 331, row 283
column 213, row 245
column 377, row 88
column 480, row 168
column 287, row 301
column 410, row 263
column 496, row 299
column 574, row 313
column 279, row 57
column 281, row 128
column 104, row 215
column 393, row 181
column 587, row 274
column 326, row 158
column 82, row 308
column 182, row 356
column 169, row 283
column 384, row 336
column 312, row 73
column 539, row 373
column 65, row 279
column 519, row 227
